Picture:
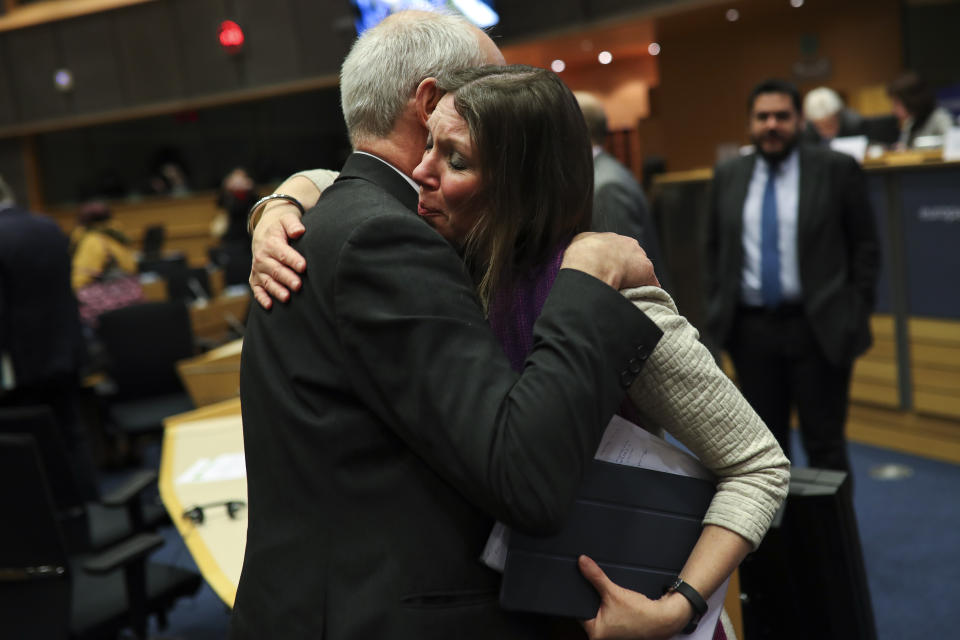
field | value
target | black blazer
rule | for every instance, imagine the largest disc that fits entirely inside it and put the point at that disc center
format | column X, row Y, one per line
column 620, row 206
column 385, row 431
column 39, row 324
column 838, row 252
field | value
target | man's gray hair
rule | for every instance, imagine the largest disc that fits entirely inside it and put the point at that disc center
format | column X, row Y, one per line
column 821, row 103
column 388, row 62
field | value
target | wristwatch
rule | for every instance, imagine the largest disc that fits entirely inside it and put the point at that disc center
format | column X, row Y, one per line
column 696, row 601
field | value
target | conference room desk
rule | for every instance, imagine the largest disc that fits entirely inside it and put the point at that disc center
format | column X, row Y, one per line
column 202, row 464
column 914, row 364
column 212, row 376
column 220, row 317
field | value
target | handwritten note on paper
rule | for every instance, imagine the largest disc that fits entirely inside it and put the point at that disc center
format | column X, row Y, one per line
column 226, row 466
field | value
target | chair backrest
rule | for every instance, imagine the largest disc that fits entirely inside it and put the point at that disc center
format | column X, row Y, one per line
column 143, row 342
column 153, row 238
column 40, row 423
column 34, row 572
column 183, row 281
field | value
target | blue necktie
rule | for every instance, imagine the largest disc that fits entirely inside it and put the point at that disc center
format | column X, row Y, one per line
column 769, row 251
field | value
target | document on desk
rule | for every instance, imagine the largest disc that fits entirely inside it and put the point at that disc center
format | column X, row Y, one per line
column 623, row 443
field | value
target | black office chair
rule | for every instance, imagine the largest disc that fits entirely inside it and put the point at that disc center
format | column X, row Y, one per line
column 154, row 238
column 45, row 592
column 133, row 507
column 183, row 281
column 235, row 260
column 142, row 344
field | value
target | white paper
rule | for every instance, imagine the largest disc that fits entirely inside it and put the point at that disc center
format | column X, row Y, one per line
column 855, row 146
column 951, row 144
column 226, row 466
column 625, row 443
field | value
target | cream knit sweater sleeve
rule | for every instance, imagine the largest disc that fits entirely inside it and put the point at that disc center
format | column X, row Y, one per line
column 682, row 390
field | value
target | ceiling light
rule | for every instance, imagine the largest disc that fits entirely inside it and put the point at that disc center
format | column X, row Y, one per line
column 605, row 57
column 63, row 80
column 733, row 15
column 654, row 49
column 558, row 66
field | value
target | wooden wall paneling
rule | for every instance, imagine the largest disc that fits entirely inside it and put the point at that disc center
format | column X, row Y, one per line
column 875, row 375
column 24, row 14
column 270, row 54
column 523, row 19
column 65, row 163
column 8, row 104
column 150, row 57
column 12, row 168
column 34, row 57
column 229, row 139
column 709, row 65
column 90, row 53
column 909, row 432
column 208, row 67
column 935, row 360
column 324, row 33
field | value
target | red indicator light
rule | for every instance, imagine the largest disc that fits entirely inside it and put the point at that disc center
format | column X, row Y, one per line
column 230, row 35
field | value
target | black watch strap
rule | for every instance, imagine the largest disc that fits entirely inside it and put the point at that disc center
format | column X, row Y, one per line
column 696, row 601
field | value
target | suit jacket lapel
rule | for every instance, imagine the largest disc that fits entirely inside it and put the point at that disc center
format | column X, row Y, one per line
column 738, row 193
column 365, row 167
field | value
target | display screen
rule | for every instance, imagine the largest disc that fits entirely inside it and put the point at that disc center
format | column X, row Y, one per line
column 370, row 12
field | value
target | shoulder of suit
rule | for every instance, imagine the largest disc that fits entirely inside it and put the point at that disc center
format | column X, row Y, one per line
column 817, row 153
column 731, row 164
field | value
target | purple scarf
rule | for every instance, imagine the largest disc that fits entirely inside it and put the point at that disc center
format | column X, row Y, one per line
column 513, row 310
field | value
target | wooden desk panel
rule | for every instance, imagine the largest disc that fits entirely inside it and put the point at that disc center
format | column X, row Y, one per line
column 198, row 466
column 215, row 319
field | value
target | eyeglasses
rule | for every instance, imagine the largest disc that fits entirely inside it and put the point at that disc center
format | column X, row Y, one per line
column 196, row 514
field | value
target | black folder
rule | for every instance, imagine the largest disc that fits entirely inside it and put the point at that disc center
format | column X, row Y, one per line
column 639, row 525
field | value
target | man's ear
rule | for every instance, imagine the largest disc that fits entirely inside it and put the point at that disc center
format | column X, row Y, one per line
column 426, row 99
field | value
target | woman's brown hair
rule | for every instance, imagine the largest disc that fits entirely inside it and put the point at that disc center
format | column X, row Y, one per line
column 535, row 165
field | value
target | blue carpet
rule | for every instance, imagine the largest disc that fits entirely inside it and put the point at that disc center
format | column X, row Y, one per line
column 909, row 529
column 910, row 533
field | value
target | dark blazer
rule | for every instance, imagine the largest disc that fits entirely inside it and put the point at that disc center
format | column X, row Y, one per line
column 837, row 250
column 385, row 430
column 620, row 206
column 39, row 325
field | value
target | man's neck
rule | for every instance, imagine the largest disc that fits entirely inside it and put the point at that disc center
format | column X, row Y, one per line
column 402, row 147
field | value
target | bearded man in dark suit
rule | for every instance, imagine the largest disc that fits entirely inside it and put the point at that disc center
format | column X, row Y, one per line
column 792, row 261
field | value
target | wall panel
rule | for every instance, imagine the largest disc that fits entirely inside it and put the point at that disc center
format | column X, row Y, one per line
column 34, row 57
column 271, row 51
column 150, row 57
column 89, row 46
column 208, row 67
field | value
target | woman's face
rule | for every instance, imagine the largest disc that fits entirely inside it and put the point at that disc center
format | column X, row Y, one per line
column 448, row 175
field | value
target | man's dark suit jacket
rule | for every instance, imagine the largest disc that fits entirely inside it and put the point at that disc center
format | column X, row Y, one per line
column 39, row 325
column 838, row 252
column 620, row 206
column 385, row 431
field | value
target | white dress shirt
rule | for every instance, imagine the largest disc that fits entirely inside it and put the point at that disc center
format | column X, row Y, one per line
column 787, row 189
